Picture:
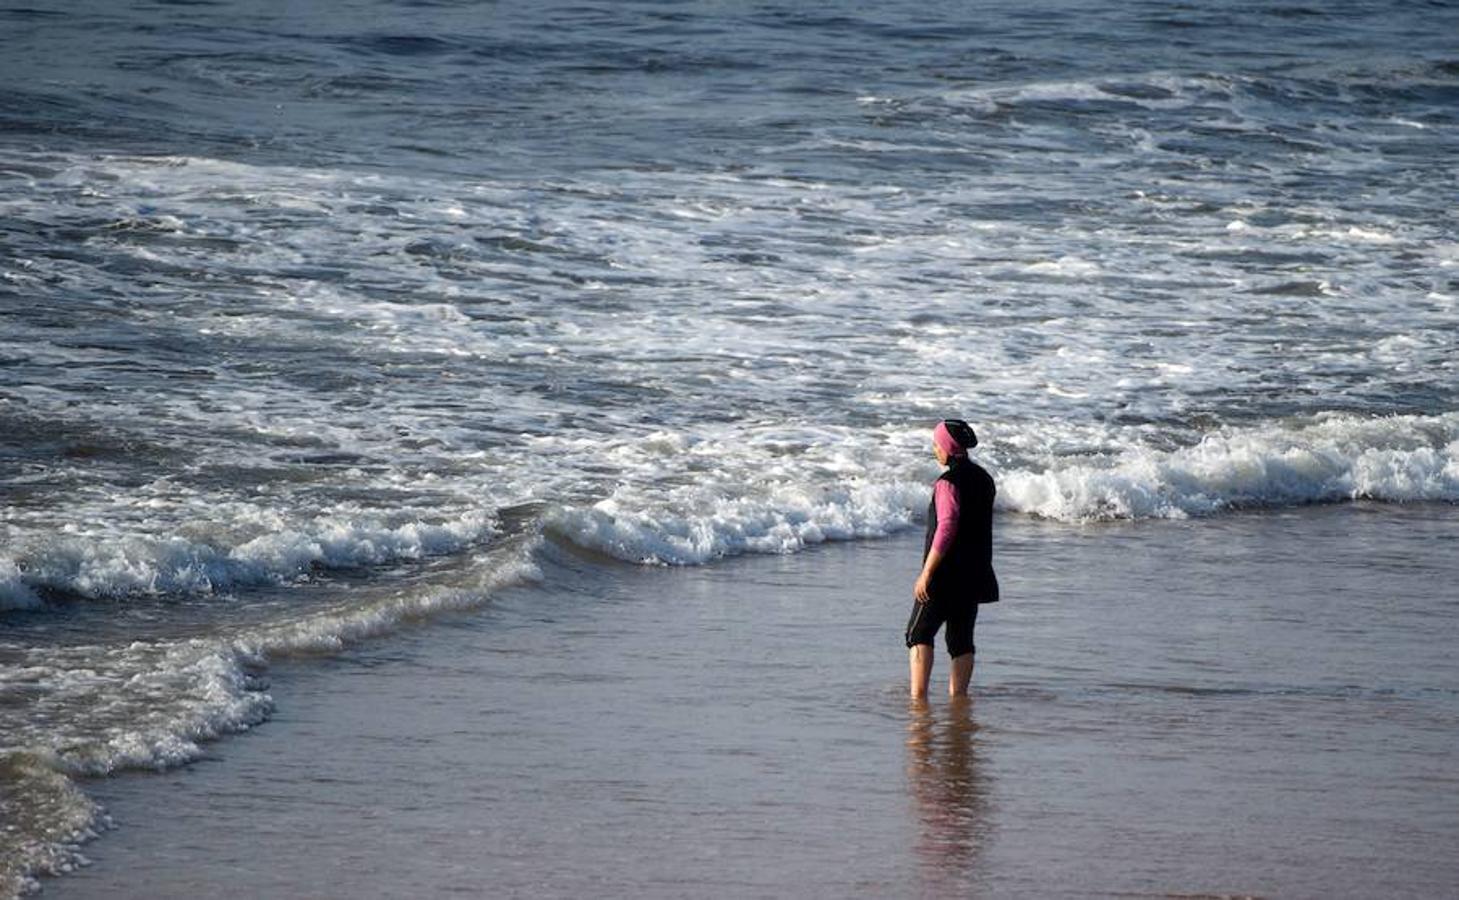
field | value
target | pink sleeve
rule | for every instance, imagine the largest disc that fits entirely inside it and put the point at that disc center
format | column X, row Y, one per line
column 944, row 497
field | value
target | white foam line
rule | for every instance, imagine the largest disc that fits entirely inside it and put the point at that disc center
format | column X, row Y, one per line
column 107, row 567
column 211, row 694
column 1399, row 458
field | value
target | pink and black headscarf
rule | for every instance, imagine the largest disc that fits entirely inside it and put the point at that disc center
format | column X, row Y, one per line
column 954, row 436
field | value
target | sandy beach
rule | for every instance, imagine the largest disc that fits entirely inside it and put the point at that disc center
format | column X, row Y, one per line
column 1263, row 705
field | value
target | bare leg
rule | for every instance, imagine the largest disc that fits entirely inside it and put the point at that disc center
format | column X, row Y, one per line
column 919, row 657
column 958, row 678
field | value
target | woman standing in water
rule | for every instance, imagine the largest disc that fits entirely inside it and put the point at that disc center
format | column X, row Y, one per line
column 957, row 561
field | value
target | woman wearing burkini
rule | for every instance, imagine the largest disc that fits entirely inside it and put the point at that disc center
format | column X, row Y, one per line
column 957, row 561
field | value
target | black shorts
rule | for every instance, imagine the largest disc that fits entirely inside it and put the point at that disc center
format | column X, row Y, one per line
column 927, row 617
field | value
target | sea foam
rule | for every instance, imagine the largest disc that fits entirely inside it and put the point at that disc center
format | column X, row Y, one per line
column 689, row 527
column 152, row 704
column 108, row 566
column 750, row 500
column 1333, row 458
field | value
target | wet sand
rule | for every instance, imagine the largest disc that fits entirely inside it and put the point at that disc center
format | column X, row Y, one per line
column 1259, row 705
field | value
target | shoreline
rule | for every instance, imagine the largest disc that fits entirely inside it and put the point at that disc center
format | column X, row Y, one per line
column 741, row 729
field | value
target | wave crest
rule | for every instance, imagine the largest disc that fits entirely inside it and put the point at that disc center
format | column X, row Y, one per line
column 99, row 567
column 751, row 501
column 696, row 526
column 1334, row 458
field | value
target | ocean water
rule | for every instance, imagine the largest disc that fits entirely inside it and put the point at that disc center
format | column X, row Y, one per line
column 1153, row 728
column 319, row 319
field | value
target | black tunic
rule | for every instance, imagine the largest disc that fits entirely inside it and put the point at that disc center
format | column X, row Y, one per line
column 965, row 574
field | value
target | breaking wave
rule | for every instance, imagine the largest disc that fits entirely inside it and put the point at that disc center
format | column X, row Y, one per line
column 102, row 567
column 1324, row 459
column 167, row 699
column 1335, row 458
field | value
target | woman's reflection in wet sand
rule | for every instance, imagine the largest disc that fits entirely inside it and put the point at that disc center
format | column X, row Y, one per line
column 949, row 791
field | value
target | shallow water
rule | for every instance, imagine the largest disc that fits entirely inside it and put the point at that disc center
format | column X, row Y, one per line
column 1260, row 706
